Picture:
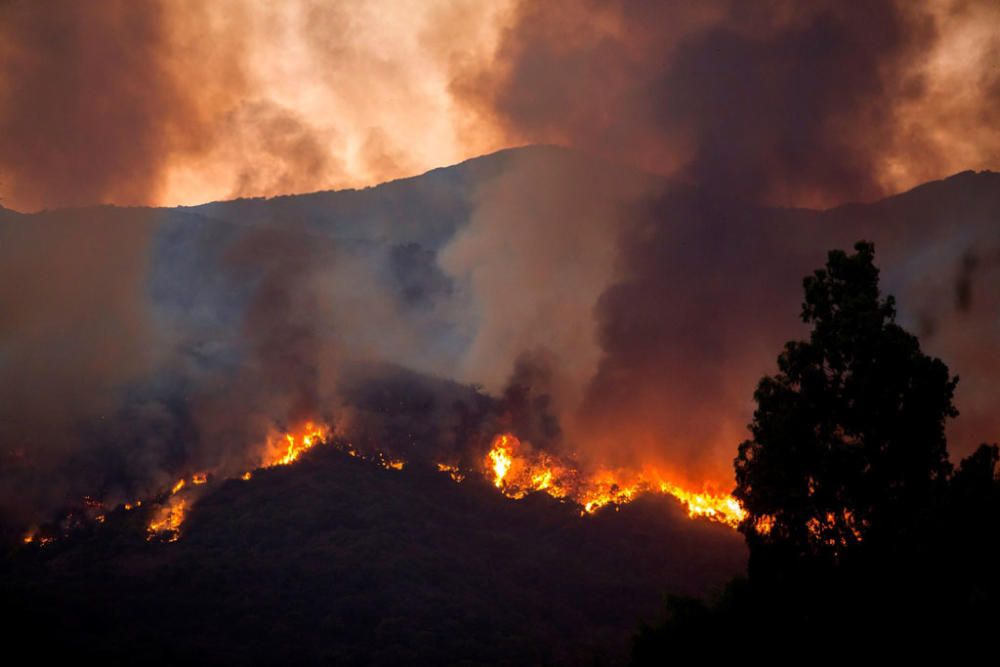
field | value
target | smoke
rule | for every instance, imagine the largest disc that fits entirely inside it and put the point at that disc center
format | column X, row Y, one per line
column 97, row 99
column 75, row 330
column 539, row 249
column 780, row 102
column 182, row 102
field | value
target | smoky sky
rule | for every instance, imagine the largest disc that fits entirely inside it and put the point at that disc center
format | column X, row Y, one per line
column 782, row 102
column 91, row 110
column 152, row 102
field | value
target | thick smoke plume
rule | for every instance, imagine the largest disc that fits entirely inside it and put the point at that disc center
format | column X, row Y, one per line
column 791, row 103
column 181, row 101
column 96, row 99
column 785, row 102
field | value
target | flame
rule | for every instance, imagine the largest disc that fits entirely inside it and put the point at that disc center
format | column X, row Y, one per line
column 500, row 457
column 92, row 503
column 392, row 464
column 764, row 524
column 286, row 448
column 517, row 475
column 513, row 467
column 166, row 522
column 517, row 470
column 453, row 471
column 281, row 449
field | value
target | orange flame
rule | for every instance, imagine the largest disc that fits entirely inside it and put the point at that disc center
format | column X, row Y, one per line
column 517, row 470
column 286, row 448
column 500, row 457
column 453, row 471
column 166, row 522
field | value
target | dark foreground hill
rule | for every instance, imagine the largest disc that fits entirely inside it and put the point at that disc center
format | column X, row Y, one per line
column 338, row 560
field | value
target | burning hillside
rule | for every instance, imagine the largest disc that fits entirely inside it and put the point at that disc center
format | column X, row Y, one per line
column 371, row 559
column 516, row 469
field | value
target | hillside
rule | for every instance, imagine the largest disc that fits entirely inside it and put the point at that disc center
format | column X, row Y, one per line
column 338, row 560
column 603, row 315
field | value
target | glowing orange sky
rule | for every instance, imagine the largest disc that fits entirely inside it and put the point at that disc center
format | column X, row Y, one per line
column 369, row 79
column 182, row 102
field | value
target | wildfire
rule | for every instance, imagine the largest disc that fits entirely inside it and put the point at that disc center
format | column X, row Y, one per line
column 517, row 475
column 280, row 449
column 386, row 462
column 513, row 467
column 453, row 471
column 288, row 447
column 166, row 522
column 517, row 470
column 500, row 458
column 31, row 538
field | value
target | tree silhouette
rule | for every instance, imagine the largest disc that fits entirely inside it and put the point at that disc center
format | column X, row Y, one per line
column 848, row 441
column 859, row 531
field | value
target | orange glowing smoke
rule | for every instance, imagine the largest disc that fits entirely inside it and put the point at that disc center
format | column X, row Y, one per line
column 517, row 470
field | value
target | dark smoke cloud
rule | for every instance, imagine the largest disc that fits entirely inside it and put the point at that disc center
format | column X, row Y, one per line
column 691, row 323
column 96, row 99
column 785, row 102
